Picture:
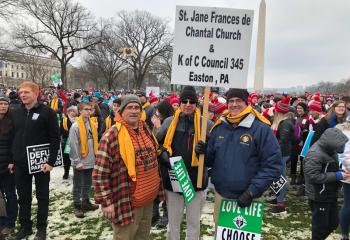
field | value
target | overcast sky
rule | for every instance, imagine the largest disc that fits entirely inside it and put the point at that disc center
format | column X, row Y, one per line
column 307, row 41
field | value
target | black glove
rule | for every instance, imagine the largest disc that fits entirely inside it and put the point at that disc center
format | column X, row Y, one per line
column 164, row 159
column 245, row 199
column 201, row 147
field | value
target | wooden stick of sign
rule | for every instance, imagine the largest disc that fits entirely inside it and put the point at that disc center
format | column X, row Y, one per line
column 203, row 135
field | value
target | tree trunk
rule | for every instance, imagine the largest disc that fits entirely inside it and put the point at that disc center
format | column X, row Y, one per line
column 64, row 75
column 109, row 82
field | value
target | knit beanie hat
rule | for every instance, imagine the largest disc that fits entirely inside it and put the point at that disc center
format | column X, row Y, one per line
column 153, row 99
column 220, row 107
column 3, row 98
column 188, row 93
column 97, row 95
column 129, row 99
column 239, row 93
column 303, row 105
column 254, row 95
column 315, row 104
column 283, row 105
column 174, row 101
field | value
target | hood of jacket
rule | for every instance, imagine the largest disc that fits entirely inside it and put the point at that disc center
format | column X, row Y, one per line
column 332, row 140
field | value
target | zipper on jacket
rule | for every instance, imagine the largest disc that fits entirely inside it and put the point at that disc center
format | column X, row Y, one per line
column 324, row 185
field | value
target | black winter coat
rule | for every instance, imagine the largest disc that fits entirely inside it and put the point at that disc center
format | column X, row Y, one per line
column 285, row 135
column 36, row 126
column 6, row 137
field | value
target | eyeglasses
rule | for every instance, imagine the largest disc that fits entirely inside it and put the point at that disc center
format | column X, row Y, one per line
column 87, row 109
column 188, row 101
column 339, row 106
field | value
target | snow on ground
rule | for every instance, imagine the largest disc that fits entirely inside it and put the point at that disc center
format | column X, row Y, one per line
column 63, row 225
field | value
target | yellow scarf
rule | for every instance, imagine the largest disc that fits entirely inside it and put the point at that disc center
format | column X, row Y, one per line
column 108, row 123
column 171, row 131
column 54, row 104
column 237, row 118
column 65, row 123
column 126, row 147
column 143, row 113
column 94, row 120
column 83, row 136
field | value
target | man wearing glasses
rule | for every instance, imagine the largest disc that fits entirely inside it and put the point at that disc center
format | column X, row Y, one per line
column 179, row 135
column 126, row 174
column 83, row 142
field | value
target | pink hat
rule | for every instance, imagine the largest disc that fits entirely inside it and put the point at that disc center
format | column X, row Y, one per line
column 283, row 105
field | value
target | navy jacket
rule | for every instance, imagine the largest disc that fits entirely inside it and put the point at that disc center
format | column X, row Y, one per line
column 246, row 157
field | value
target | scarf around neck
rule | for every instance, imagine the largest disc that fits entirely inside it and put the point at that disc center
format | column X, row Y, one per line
column 84, row 137
column 127, row 147
column 54, row 104
column 143, row 113
column 239, row 117
column 171, row 131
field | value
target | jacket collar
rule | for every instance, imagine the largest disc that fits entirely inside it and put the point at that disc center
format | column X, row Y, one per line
column 247, row 122
column 36, row 106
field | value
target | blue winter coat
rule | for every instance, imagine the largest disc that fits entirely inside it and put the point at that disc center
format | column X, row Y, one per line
column 246, row 157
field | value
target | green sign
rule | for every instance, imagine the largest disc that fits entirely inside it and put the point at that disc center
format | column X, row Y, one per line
column 56, row 79
column 67, row 147
column 237, row 223
column 185, row 182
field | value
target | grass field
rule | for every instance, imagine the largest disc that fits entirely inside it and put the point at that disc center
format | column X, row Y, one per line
column 63, row 225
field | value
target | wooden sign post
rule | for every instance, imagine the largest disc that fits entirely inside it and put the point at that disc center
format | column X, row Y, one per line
column 211, row 49
column 203, row 135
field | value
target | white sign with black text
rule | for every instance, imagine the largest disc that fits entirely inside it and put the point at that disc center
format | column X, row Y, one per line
column 38, row 155
column 212, row 46
column 278, row 185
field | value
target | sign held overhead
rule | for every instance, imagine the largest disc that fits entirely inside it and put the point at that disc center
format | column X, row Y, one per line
column 212, row 46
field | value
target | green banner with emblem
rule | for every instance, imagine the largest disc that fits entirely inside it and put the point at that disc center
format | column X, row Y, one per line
column 237, row 223
column 186, row 186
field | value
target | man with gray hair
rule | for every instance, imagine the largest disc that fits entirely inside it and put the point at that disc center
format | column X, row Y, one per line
column 130, row 149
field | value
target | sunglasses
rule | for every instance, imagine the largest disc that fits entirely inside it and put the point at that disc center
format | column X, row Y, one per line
column 188, row 101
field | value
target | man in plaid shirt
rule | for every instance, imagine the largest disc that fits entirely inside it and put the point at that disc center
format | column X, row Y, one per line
column 127, row 186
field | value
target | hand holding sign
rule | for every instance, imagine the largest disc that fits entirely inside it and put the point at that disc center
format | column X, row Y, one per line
column 10, row 168
column 46, row 168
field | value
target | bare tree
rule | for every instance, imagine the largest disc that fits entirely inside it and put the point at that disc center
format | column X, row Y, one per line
column 7, row 8
column 61, row 28
column 36, row 70
column 106, row 57
column 147, row 35
column 161, row 66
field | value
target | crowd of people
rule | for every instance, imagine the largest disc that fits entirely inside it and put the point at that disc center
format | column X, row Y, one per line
column 120, row 145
